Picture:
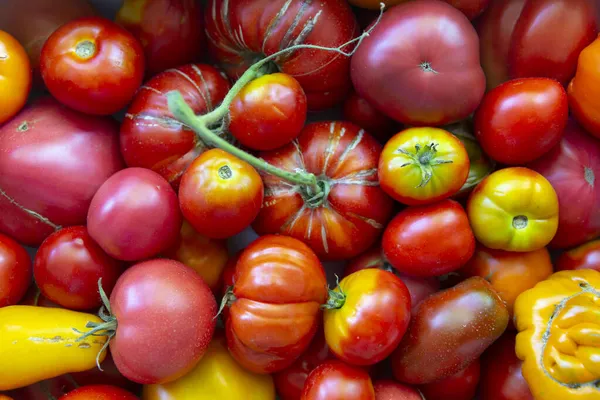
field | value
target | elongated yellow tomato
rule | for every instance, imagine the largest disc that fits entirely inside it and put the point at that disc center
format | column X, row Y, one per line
column 38, row 343
column 216, row 377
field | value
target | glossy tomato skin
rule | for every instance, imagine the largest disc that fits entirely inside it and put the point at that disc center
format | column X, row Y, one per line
column 460, row 386
column 440, row 83
column 279, row 286
column 15, row 74
column 92, row 65
column 392, row 390
column 335, row 380
column 585, row 256
column 134, row 215
column 362, row 113
column 67, row 268
column 583, row 89
column 471, row 8
column 241, row 32
column 161, row 302
column 99, row 392
column 408, row 237
column 355, row 210
column 15, row 271
column 521, row 119
column 450, row 330
column 268, row 112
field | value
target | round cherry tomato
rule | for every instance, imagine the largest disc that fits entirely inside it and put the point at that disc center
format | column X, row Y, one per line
column 514, row 209
column 334, row 380
column 92, row 65
column 366, row 316
column 391, row 390
column 521, row 119
column 99, row 392
column 67, row 268
column 220, row 195
column 460, row 386
column 15, row 77
column 586, row 256
column 408, row 239
column 15, row 271
column 360, row 112
column 423, row 165
column 268, row 112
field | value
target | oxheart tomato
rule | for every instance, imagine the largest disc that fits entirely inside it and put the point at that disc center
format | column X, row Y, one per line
column 450, row 330
column 241, row 32
column 53, row 162
column 583, row 89
column 279, row 286
column 586, row 256
column 335, row 380
column 15, row 271
column 429, row 77
column 99, row 392
column 391, row 390
column 362, row 113
column 353, row 211
column 15, row 76
column 460, row 386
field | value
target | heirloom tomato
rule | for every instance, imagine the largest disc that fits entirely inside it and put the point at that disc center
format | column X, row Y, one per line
column 99, row 392
column 392, row 390
column 583, row 89
column 15, row 76
column 360, row 112
column 334, row 380
column 15, row 271
column 586, row 256
column 460, row 386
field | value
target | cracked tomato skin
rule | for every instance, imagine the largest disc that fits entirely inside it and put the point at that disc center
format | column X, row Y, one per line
column 356, row 209
column 558, row 328
column 151, row 137
column 586, row 256
column 335, row 380
column 241, row 32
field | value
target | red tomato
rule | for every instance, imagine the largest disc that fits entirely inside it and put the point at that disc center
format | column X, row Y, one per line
column 279, row 288
column 109, row 375
column 134, row 215
column 242, row 32
column 391, row 390
column 33, row 297
column 92, row 65
column 439, row 83
column 460, row 386
column 15, row 77
column 269, row 112
column 99, row 392
column 53, row 388
column 407, row 240
column 586, row 256
column 349, row 218
column 360, row 112
column 334, row 380
column 471, row 8
column 15, row 271
column 522, row 119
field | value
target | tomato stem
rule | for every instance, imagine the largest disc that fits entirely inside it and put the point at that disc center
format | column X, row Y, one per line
column 226, row 301
column 336, row 298
column 424, row 158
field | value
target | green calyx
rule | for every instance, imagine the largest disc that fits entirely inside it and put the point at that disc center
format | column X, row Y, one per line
column 425, row 158
column 336, row 298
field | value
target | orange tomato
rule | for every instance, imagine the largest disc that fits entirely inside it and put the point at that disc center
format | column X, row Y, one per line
column 15, row 76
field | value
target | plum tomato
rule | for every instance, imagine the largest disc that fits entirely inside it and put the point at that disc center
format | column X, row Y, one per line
column 460, row 386
column 392, row 390
column 586, row 256
column 92, row 65
column 366, row 316
column 99, row 392
column 134, row 215
column 362, row 113
column 15, row 77
column 335, row 380
column 407, row 240
column 16, row 271
column 268, row 112
column 423, row 165
column 521, row 119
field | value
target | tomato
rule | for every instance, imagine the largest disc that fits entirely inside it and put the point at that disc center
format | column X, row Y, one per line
column 423, row 165
column 374, row 4
column 15, row 271
column 471, row 8
column 220, row 195
column 407, row 240
column 34, row 297
column 15, row 76
column 366, row 316
column 460, row 386
column 586, row 256
column 278, row 290
column 53, row 161
column 69, row 264
column 134, row 215
column 583, row 90
column 391, row 390
column 360, row 112
column 449, row 330
column 43, row 390
column 109, row 375
column 170, row 31
column 99, row 392
column 334, row 380
column 92, row 65
column 514, row 209
column 268, row 112
column 572, row 167
column 440, row 83
column 522, row 119
column 353, row 211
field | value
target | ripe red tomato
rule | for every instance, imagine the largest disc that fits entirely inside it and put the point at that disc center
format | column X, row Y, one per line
column 460, row 386
column 68, row 265
column 15, row 77
column 586, row 256
column 407, row 240
column 53, row 388
column 471, row 8
column 109, row 375
column 334, row 380
column 99, row 392
column 522, row 119
column 33, row 297
column 92, row 65
column 362, row 113
column 391, row 390
column 15, row 271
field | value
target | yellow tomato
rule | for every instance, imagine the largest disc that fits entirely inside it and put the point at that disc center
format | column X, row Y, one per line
column 15, row 76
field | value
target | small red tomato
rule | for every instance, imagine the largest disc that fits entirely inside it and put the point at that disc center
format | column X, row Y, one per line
column 268, row 112
column 362, row 113
column 407, row 240
column 521, row 119
column 92, row 65
column 99, row 392
column 67, row 268
column 15, row 271
column 391, row 390
column 334, row 380
column 220, row 195
column 460, row 386
column 366, row 316
column 586, row 256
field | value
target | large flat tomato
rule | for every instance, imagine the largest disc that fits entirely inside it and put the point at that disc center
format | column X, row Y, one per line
column 586, row 256
column 15, row 76
column 460, row 386
column 16, row 271
column 334, row 380
column 584, row 92
column 514, row 209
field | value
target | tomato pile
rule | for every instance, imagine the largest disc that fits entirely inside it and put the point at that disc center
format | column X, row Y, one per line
column 300, row 200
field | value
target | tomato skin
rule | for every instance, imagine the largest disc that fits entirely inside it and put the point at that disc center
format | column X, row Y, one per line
column 392, row 390
column 522, row 119
column 92, row 65
column 334, row 380
column 407, row 239
column 15, row 71
column 67, row 267
column 585, row 256
column 99, row 392
column 34, row 297
column 109, row 375
column 460, row 386
column 471, row 8
column 583, row 89
column 360, row 112
column 15, row 271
